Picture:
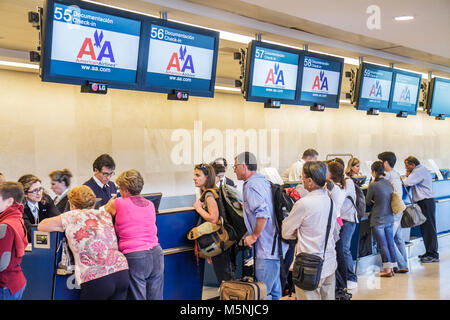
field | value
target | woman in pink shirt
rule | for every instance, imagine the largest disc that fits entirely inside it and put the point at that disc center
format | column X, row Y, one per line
column 135, row 224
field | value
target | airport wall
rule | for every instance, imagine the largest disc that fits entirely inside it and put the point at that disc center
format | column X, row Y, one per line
column 47, row 126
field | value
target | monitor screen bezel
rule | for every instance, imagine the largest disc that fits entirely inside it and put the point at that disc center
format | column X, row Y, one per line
column 47, row 42
column 250, row 62
column 393, row 82
column 182, row 27
column 430, row 97
column 359, row 83
column 335, row 104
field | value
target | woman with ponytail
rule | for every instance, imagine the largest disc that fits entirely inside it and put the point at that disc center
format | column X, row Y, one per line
column 379, row 196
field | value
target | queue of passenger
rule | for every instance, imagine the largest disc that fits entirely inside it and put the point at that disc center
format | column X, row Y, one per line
column 133, row 266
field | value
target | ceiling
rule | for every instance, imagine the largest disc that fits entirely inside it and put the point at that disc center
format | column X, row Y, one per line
column 334, row 27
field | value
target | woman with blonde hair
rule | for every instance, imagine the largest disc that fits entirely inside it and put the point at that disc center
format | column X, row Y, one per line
column 353, row 167
column 135, row 224
column 100, row 268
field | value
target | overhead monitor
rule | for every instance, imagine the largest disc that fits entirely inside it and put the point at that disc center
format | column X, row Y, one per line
column 181, row 57
column 272, row 73
column 373, row 87
column 438, row 98
column 321, row 81
column 85, row 42
column 405, row 91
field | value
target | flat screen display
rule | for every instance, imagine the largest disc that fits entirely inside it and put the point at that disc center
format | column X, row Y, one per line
column 321, row 81
column 274, row 74
column 92, row 45
column 375, row 87
column 440, row 97
column 405, row 91
column 180, row 59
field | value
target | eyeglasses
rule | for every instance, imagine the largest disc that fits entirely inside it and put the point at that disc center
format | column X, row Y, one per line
column 107, row 174
column 36, row 191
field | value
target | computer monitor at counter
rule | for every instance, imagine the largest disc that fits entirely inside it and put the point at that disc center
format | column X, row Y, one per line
column 153, row 197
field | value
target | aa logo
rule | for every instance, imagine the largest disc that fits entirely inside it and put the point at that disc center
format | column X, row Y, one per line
column 405, row 95
column 376, row 91
column 87, row 48
column 186, row 61
column 320, row 83
column 275, row 72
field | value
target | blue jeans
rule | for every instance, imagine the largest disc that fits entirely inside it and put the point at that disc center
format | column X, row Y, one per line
column 268, row 271
column 400, row 250
column 346, row 235
column 5, row 294
column 385, row 242
column 146, row 274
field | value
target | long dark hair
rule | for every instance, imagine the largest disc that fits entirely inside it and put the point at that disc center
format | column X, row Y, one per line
column 378, row 168
column 336, row 170
column 208, row 171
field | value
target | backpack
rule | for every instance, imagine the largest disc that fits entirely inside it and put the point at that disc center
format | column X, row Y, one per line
column 282, row 206
column 360, row 204
column 232, row 211
column 211, row 239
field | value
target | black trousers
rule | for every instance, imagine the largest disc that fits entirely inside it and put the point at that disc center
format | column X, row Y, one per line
column 111, row 287
column 341, row 271
column 222, row 266
column 428, row 228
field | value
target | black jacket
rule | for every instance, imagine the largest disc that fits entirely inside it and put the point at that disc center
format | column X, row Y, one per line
column 47, row 210
column 63, row 204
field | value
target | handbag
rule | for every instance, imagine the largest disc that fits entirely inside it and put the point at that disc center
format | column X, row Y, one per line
column 412, row 215
column 397, row 204
column 307, row 268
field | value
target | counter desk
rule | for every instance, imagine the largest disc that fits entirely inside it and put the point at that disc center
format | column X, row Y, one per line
column 183, row 275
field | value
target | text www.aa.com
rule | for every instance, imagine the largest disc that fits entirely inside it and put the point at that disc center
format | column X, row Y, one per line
column 95, row 68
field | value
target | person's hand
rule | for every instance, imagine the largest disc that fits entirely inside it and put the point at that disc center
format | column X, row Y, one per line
column 209, row 260
column 250, row 240
column 198, row 205
column 109, row 207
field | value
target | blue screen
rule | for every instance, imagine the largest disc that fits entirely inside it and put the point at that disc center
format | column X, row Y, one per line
column 92, row 45
column 405, row 93
column 180, row 59
column 440, row 103
column 274, row 74
column 321, row 80
column 375, row 88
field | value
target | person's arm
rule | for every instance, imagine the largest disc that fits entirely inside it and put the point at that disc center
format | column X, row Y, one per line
column 212, row 215
column 51, row 224
column 260, row 225
column 6, row 246
column 370, row 195
column 293, row 221
column 412, row 179
column 110, row 207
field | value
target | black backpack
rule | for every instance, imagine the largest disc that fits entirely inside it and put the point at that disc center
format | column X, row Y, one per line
column 282, row 206
column 360, row 204
column 232, row 212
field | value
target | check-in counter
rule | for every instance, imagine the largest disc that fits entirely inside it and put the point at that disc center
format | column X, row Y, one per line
column 183, row 275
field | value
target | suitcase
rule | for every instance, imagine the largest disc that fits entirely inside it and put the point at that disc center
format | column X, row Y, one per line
column 245, row 289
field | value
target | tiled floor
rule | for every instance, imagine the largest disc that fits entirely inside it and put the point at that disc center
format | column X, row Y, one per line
column 423, row 282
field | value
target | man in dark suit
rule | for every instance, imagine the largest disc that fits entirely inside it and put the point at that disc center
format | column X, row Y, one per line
column 100, row 183
column 223, row 178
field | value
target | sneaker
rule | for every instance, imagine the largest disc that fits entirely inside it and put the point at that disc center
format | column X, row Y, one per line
column 428, row 259
column 422, row 255
column 352, row 285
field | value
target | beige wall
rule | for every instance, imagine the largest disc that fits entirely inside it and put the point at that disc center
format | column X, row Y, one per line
column 46, row 126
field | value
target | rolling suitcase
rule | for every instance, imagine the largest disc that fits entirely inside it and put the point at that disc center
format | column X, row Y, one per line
column 248, row 288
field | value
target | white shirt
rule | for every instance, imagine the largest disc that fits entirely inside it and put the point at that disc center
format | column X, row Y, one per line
column 308, row 220
column 34, row 207
column 348, row 210
column 100, row 184
column 294, row 172
column 62, row 195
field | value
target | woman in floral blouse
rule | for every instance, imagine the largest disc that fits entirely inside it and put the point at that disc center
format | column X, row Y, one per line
column 100, row 268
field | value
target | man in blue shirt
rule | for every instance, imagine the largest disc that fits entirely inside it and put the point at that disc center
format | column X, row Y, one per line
column 258, row 218
column 418, row 177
